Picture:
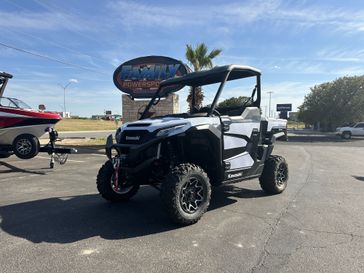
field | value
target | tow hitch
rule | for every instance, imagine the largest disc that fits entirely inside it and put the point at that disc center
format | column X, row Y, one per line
column 59, row 155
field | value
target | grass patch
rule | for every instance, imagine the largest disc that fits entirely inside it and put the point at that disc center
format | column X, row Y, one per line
column 69, row 124
column 295, row 125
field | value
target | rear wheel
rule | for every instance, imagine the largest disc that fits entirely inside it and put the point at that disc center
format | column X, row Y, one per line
column 275, row 175
column 26, row 146
column 112, row 190
column 186, row 193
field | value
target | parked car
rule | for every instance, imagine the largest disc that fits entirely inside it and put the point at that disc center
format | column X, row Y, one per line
column 348, row 131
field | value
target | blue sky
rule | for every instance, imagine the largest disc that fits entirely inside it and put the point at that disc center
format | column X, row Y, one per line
column 296, row 44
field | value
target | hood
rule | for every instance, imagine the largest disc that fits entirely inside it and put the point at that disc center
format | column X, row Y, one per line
column 153, row 124
column 343, row 128
column 176, row 124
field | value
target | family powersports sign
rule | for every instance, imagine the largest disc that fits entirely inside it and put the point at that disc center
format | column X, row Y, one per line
column 140, row 77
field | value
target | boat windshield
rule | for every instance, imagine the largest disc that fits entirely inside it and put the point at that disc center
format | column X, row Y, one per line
column 14, row 103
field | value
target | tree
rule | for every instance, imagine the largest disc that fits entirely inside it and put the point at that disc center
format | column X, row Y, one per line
column 199, row 58
column 335, row 103
column 234, row 102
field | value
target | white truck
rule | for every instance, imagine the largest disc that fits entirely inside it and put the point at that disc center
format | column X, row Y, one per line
column 348, row 131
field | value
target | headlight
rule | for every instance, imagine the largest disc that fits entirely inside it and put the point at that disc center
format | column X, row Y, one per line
column 166, row 131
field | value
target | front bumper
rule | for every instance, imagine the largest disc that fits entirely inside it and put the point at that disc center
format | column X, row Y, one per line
column 134, row 157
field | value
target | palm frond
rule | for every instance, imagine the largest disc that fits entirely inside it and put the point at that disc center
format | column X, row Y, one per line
column 191, row 57
column 214, row 53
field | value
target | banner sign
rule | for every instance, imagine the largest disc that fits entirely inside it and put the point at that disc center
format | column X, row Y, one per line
column 284, row 107
column 140, row 77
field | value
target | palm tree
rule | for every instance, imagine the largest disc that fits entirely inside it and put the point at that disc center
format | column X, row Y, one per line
column 199, row 58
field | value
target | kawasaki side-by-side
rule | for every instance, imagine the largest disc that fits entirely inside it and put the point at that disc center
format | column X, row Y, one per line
column 184, row 155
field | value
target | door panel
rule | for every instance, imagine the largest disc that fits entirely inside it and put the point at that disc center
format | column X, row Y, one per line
column 240, row 138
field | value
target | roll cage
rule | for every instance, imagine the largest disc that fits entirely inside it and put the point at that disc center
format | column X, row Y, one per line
column 217, row 74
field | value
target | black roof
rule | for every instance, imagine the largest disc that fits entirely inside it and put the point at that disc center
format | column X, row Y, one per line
column 5, row 75
column 214, row 75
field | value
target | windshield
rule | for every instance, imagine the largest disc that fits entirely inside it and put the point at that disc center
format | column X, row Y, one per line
column 21, row 104
column 230, row 98
column 14, row 103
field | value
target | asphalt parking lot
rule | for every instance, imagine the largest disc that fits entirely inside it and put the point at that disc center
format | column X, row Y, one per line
column 54, row 220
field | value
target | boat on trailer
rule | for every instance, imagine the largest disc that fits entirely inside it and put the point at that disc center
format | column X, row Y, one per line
column 21, row 127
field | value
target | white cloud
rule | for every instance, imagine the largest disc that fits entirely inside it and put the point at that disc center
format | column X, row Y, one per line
column 276, row 12
column 341, row 55
column 45, row 21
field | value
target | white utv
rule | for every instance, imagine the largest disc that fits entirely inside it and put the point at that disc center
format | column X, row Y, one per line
column 183, row 155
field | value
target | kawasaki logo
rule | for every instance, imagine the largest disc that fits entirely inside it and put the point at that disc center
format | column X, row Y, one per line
column 235, row 175
column 132, row 138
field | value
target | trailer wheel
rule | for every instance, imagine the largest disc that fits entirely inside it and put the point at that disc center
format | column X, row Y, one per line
column 109, row 189
column 275, row 175
column 186, row 193
column 26, row 146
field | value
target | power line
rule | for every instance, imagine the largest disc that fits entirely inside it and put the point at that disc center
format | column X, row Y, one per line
column 50, row 58
column 58, row 45
column 56, row 11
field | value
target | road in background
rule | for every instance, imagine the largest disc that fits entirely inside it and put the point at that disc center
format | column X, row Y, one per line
column 83, row 134
column 54, row 220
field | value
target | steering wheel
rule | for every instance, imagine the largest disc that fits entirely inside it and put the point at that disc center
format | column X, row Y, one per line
column 216, row 112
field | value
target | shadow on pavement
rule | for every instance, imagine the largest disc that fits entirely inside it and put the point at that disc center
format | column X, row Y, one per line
column 91, row 149
column 316, row 136
column 320, row 138
column 74, row 218
column 360, row 178
column 220, row 196
column 12, row 168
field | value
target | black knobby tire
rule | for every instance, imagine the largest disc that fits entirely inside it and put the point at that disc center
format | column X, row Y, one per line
column 275, row 175
column 346, row 135
column 105, row 185
column 186, row 193
column 26, row 146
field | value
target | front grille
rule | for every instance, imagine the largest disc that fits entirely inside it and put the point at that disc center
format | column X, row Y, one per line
column 134, row 136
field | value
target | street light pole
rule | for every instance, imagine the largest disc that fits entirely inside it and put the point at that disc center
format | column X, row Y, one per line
column 64, row 92
column 270, row 99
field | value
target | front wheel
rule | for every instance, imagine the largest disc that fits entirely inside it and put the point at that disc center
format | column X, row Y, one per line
column 275, row 175
column 112, row 190
column 26, row 146
column 186, row 193
column 346, row 135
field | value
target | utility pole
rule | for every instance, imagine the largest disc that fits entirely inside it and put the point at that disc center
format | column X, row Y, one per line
column 270, row 99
